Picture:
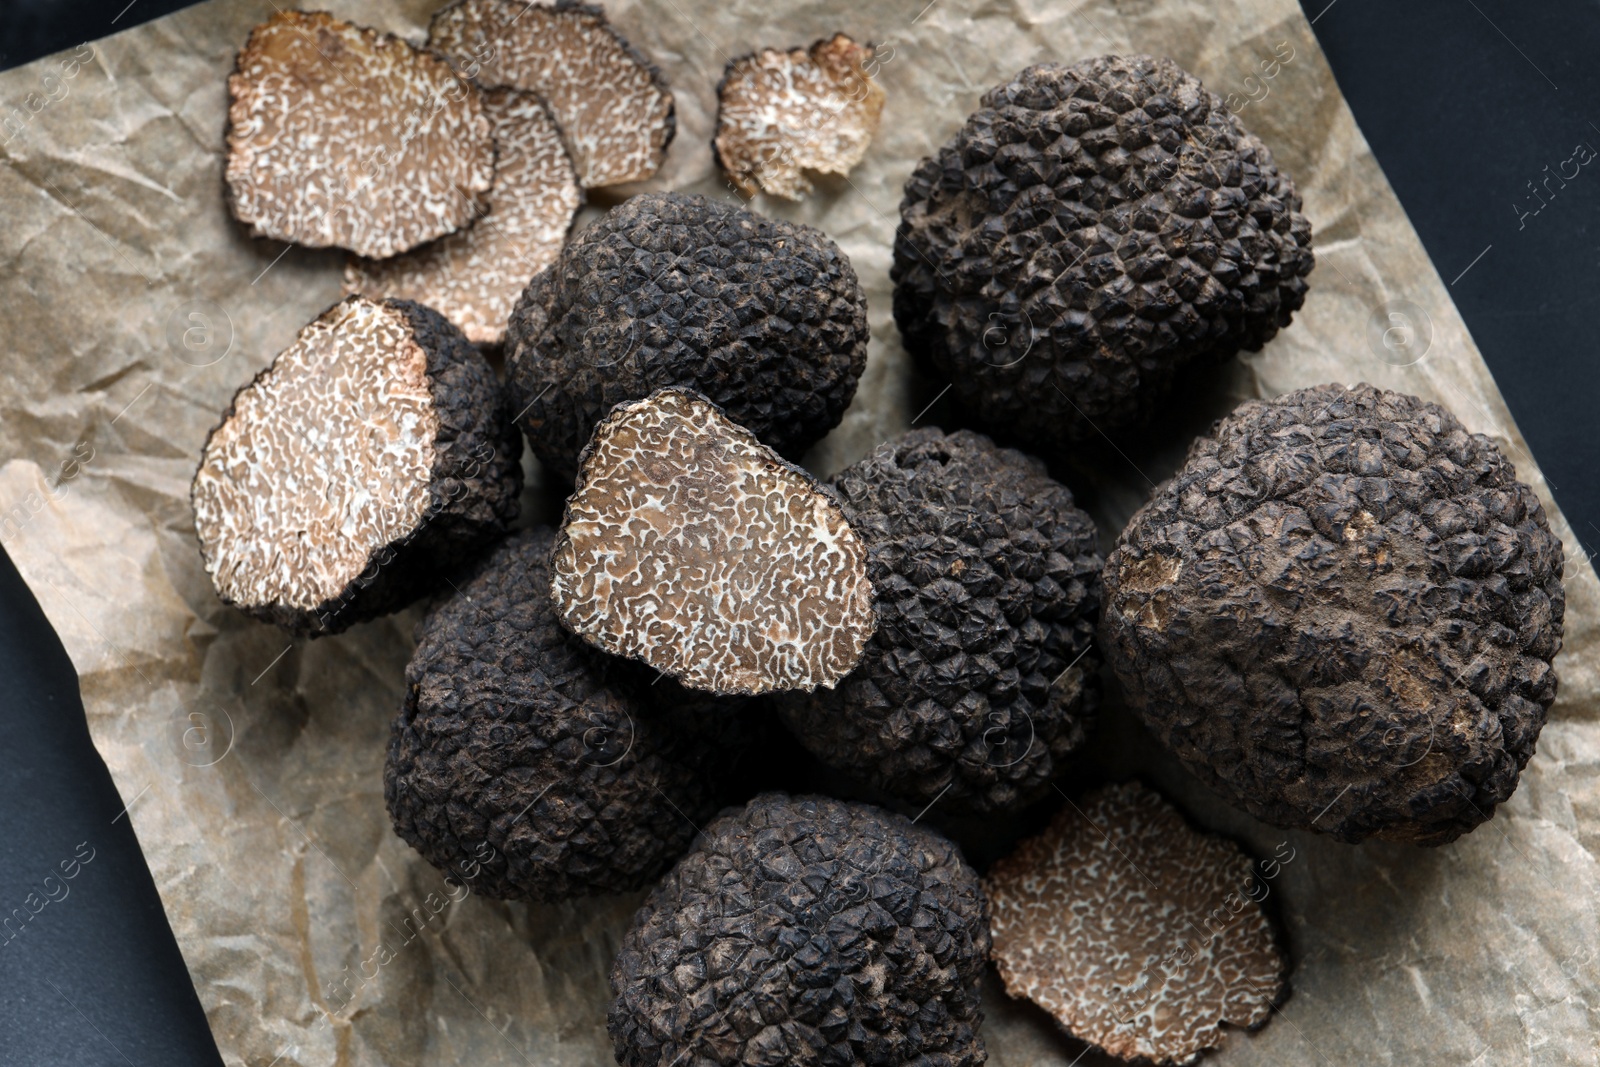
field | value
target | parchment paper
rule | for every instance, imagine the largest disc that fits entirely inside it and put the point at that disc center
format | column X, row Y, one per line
column 131, row 308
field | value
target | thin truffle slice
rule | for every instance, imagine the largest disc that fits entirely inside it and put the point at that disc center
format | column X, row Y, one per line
column 1141, row 935
column 612, row 104
column 474, row 277
column 341, row 135
column 782, row 114
column 691, row 546
column 374, row 451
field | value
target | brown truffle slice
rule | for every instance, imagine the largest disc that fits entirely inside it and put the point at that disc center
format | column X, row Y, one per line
column 341, row 135
column 691, row 546
column 1140, row 934
column 781, row 114
column 612, row 104
column 474, row 277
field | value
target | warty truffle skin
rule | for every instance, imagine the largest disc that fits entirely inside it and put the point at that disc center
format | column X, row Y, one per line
column 987, row 583
column 766, row 318
column 1341, row 615
column 806, row 930
column 1089, row 231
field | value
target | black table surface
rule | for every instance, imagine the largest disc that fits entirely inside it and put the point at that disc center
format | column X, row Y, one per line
column 1474, row 108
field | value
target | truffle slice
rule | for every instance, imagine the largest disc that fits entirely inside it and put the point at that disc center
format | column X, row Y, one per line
column 341, row 135
column 1341, row 615
column 981, row 676
column 764, row 317
column 805, row 930
column 781, row 114
column 612, row 104
column 475, row 277
column 1142, row 936
column 374, row 451
column 692, row 547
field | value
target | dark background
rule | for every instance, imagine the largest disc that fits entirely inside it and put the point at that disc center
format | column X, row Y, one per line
column 1465, row 103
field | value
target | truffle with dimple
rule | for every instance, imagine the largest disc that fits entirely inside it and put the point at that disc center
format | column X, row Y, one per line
column 1341, row 614
column 1142, row 936
column 692, row 547
column 981, row 676
column 373, row 453
column 341, row 135
column 805, row 930
column 612, row 104
column 1088, row 233
column 764, row 317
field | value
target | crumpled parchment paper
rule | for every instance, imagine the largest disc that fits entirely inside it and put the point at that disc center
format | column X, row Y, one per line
column 131, row 309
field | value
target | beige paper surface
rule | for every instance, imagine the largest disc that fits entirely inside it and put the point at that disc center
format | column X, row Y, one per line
column 131, row 309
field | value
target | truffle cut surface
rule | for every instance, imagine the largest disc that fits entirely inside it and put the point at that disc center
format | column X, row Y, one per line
column 689, row 545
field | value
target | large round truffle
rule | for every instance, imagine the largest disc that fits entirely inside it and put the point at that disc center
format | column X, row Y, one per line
column 525, row 764
column 981, row 676
column 764, row 317
column 805, row 930
column 1087, row 233
column 1341, row 614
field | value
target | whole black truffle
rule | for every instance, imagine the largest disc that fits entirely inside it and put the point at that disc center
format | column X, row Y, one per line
column 525, row 764
column 762, row 316
column 806, row 930
column 1087, row 233
column 1341, row 615
column 982, row 674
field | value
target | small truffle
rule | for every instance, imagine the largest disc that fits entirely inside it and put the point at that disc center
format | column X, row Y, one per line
column 764, row 317
column 475, row 277
column 1341, row 614
column 341, row 135
column 1089, row 232
column 805, row 930
column 612, row 104
column 782, row 114
column 1142, row 936
column 690, row 546
column 374, row 451
column 982, row 674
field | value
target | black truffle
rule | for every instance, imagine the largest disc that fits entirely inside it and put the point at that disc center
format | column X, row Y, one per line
column 526, row 764
column 1341, row 614
column 982, row 675
column 764, row 317
column 1087, row 233
column 375, row 452
column 806, row 930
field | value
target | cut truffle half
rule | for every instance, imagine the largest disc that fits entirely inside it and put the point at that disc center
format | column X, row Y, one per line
column 1142, row 936
column 782, row 115
column 612, row 104
column 692, row 547
column 373, row 453
column 474, row 277
column 339, row 135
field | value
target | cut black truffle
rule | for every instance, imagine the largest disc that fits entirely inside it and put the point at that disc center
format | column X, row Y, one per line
column 1341, row 614
column 692, row 547
column 375, row 451
column 1089, row 232
column 982, row 674
column 526, row 765
column 341, row 135
column 764, row 317
column 805, row 930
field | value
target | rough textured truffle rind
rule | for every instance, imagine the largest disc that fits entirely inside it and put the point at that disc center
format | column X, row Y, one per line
column 1142, row 936
column 1341, row 614
column 1091, row 230
column 341, row 135
column 692, row 547
column 982, row 675
column 764, row 317
column 805, row 930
